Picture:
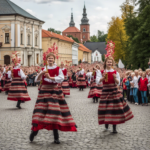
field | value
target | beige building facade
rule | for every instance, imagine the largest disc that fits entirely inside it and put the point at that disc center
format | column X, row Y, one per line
column 22, row 33
column 64, row 45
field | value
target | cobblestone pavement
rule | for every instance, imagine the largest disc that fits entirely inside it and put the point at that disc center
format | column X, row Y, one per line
column 15, row 127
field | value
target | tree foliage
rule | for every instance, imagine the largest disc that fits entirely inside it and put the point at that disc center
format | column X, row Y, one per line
column 138, row 29
column 117, row 34
column 94, row 38
column 101, row 37
column 74, row 38
column 53, row 30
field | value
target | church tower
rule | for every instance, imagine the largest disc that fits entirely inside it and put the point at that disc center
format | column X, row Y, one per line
column 72, row 24
column 85, row 26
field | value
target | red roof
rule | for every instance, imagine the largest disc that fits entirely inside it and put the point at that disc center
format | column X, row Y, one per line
column 46, row 33
column 71, row 29
column 83, row 48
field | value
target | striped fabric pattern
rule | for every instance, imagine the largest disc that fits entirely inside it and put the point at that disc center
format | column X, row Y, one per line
column 113, row 109
column 95, row 90
column 65, row 87
column 51, row 110
column 18, row 90
column 81, row 81
column 7, row 84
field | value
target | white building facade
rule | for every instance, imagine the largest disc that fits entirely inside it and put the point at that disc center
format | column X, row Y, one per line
column 96, row 56
column 75, row 53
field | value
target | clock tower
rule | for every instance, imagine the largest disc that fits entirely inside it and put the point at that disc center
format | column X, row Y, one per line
column 85, row 27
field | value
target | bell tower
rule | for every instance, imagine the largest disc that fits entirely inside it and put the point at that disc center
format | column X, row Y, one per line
column 85, row 26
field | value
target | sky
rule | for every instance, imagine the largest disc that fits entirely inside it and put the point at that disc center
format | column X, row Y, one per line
column 57, row 13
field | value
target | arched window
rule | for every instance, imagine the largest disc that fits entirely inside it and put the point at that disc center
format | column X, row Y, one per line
column 28, row 39
column 84, row 30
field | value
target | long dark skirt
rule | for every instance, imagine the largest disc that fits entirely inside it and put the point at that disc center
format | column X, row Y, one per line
column 51, row 110
column 113, row 109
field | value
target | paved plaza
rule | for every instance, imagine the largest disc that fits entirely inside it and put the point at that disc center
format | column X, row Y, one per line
column 15, row 127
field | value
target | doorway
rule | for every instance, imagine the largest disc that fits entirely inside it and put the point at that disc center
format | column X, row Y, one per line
column 29, row 60
column 7, row 59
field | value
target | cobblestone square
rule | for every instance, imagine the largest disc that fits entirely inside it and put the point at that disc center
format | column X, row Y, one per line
column 15, row 127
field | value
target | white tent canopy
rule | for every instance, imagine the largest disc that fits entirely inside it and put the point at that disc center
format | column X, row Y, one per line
column 120, row 64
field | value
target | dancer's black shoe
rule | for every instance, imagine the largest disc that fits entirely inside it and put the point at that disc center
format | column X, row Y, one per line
column 32, row 135
column 114, row 129
column 57, row 141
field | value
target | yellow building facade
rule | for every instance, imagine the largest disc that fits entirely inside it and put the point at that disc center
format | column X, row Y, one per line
column 84, row 54
column 64, row 45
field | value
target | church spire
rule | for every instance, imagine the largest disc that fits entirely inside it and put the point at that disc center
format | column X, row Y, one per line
column 84, row 19
column 72, row 24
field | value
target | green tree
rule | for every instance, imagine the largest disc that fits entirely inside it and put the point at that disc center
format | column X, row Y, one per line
column 94, row 38
column 103, row 58
column 74, row 38
column 140, row 45
column 101, row 36
column 53, row 30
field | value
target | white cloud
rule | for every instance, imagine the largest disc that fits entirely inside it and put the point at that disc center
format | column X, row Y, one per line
column 31, row 12
column 50, row 16
column 100, row 8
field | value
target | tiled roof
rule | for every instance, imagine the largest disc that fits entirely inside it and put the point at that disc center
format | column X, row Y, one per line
column 83, row 48
column 46, row 33
column 72, row 29
column 100, row 46
column 9, row 8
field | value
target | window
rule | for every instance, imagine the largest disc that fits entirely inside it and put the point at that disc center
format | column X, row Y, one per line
column 6, row 38
column 35, row 41
column 84, row 30
column 37, row 58
column 84, row 37
column 28, row 39
column 21, row 39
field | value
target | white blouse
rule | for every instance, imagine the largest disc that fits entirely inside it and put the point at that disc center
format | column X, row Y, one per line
column 9, row 74
column 20, row 73
column 58, row 79
column 64, row 69
column 135, row 81
column 99, row 76
column 81, row 72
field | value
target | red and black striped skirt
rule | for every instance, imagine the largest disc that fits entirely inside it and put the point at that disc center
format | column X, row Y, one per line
column 65, row 87
column 81, row 81
column 95, row 90
column 7, row 84
column 113, row 109
column 18, row 90
column 74, row 84
column 51, row 111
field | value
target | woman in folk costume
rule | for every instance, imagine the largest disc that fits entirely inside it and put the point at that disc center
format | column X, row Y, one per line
column 7, row 80
column 81, row 83
column 65, row 84
column 3, row 72
column 17, row 90
column 95, row 91
column 0, row 82
column 51, row 111
column 73, row 79
column 113, row 109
